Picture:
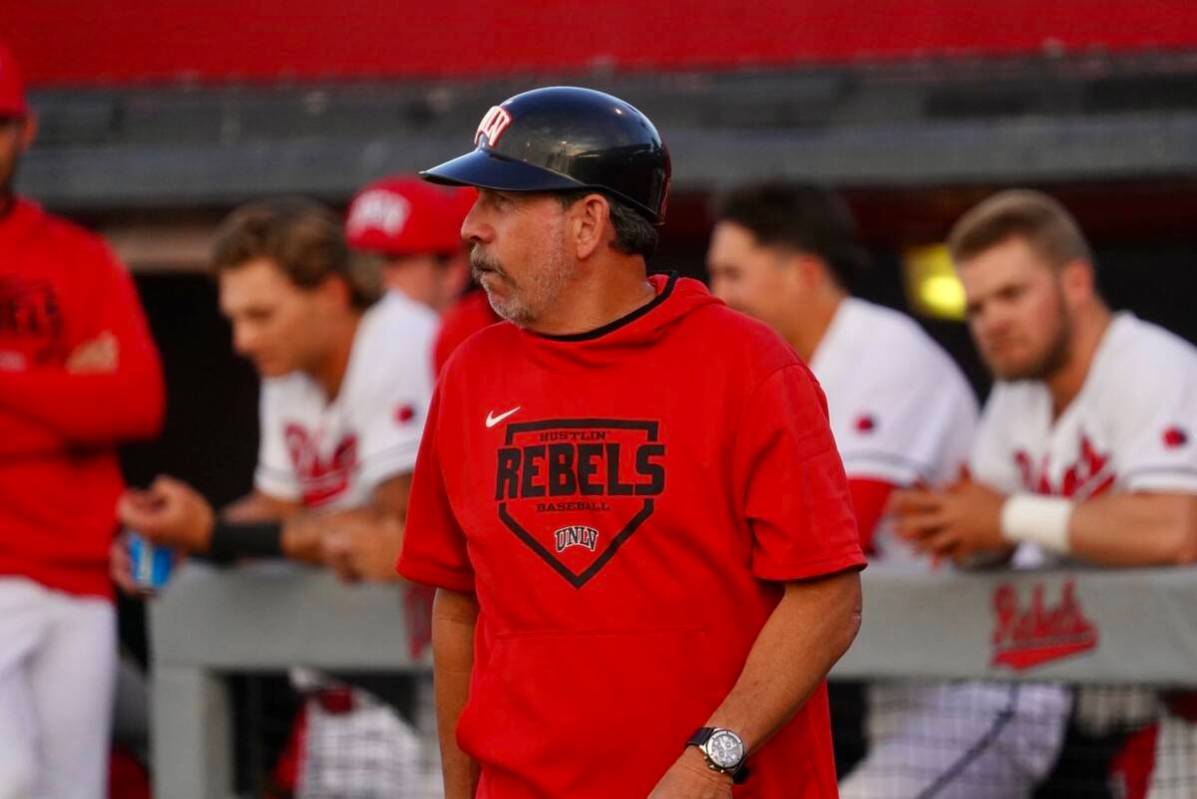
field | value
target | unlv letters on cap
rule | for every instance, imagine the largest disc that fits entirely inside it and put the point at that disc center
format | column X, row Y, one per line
column 492, row 126
column 575, row 490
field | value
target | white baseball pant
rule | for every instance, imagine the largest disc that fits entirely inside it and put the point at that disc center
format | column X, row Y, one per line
column 57, row 674
column 968, row 740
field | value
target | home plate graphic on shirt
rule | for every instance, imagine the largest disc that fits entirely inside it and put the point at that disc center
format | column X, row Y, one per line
column 575, row 490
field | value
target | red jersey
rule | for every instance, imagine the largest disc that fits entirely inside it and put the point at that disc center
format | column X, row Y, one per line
column 471, row 313
column 59, row 477
column 626, row 504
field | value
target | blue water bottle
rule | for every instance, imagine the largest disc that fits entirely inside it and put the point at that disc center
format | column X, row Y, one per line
column 151, row 563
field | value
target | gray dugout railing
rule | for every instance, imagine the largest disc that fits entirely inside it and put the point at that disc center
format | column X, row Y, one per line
column 1134, row 627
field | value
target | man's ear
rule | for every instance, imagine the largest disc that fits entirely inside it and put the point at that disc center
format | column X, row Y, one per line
column 29, row 132
column 1078, row 280
column 786, row 267
column 335, row 290
column 590, row 225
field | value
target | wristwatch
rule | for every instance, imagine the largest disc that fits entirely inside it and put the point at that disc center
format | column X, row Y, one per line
column 724, row 751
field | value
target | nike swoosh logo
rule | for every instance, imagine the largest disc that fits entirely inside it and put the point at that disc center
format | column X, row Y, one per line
column 492, row 420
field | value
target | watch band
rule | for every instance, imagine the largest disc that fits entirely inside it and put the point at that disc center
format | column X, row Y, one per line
column 700, row 738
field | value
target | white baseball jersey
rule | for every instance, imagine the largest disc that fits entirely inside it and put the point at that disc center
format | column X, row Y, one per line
column 900, row 409
column 333, row 454
column 1129, row 429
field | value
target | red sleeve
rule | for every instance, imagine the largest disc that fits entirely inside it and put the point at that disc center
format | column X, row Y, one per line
column 794, row 492
column 101, row 408
column 434, row 546
column 868, row 500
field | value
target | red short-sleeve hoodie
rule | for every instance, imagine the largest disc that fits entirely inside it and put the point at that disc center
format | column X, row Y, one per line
column 625, row 504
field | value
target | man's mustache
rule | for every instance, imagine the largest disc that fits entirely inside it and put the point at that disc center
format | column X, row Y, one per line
column 480, row 262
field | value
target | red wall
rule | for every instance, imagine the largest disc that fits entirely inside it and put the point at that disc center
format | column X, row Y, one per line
column 90, row 41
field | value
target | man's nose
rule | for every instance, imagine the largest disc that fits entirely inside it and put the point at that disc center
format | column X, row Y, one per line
column 244, row 339
column 473, row 227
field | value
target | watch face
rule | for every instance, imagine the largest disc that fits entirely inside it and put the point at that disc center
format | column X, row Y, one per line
column 725, row 749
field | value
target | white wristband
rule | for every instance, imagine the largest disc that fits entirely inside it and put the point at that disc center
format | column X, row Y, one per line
column 1037, row 519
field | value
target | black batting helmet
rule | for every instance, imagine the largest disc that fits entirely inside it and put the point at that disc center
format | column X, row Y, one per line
column 563, row 138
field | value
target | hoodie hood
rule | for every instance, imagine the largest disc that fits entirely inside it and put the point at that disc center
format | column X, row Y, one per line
column 677, row 298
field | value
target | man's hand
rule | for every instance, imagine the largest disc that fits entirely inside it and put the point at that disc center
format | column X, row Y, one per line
column 100, row 354
column 170, row 513
column 303, row 538
column 959, row 522
column 363, row 545
column 120, row 566
column 690, row 778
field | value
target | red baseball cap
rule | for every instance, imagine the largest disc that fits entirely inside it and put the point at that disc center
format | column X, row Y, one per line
column 407, row 216
column 12, row 88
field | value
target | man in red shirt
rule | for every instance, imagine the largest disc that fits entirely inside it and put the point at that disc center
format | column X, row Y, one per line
column 650, row 590
column 78, row 375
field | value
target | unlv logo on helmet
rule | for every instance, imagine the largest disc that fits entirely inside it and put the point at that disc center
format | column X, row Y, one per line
column 575, row 490
column 492, row 126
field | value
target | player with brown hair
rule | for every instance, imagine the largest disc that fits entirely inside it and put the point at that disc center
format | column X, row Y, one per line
column 347, row 377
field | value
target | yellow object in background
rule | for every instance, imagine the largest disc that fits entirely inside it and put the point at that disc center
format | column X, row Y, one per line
column 932, row 288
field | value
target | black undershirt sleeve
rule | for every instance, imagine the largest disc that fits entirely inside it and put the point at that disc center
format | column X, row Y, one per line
column 233, row 540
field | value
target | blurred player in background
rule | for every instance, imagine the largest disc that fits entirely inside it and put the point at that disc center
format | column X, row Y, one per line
column 79, row 375
column 1086, row 446
column 415, row 228
column 902, row 414
column 634, row 607
column 347, row 378
column 901, row 411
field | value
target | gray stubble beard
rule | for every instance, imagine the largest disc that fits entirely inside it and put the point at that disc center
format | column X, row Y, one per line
column 539, row 293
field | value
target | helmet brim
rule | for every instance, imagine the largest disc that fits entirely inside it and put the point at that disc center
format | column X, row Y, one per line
column 485, row 170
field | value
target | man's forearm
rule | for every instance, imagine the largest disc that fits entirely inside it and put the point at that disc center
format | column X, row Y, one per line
column 91, row 409
column 22, row 437
column 1135, row 530
column 810, row 629
column 390, row 496
column 258, row 507
column 454, row 617
column 296, row 536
